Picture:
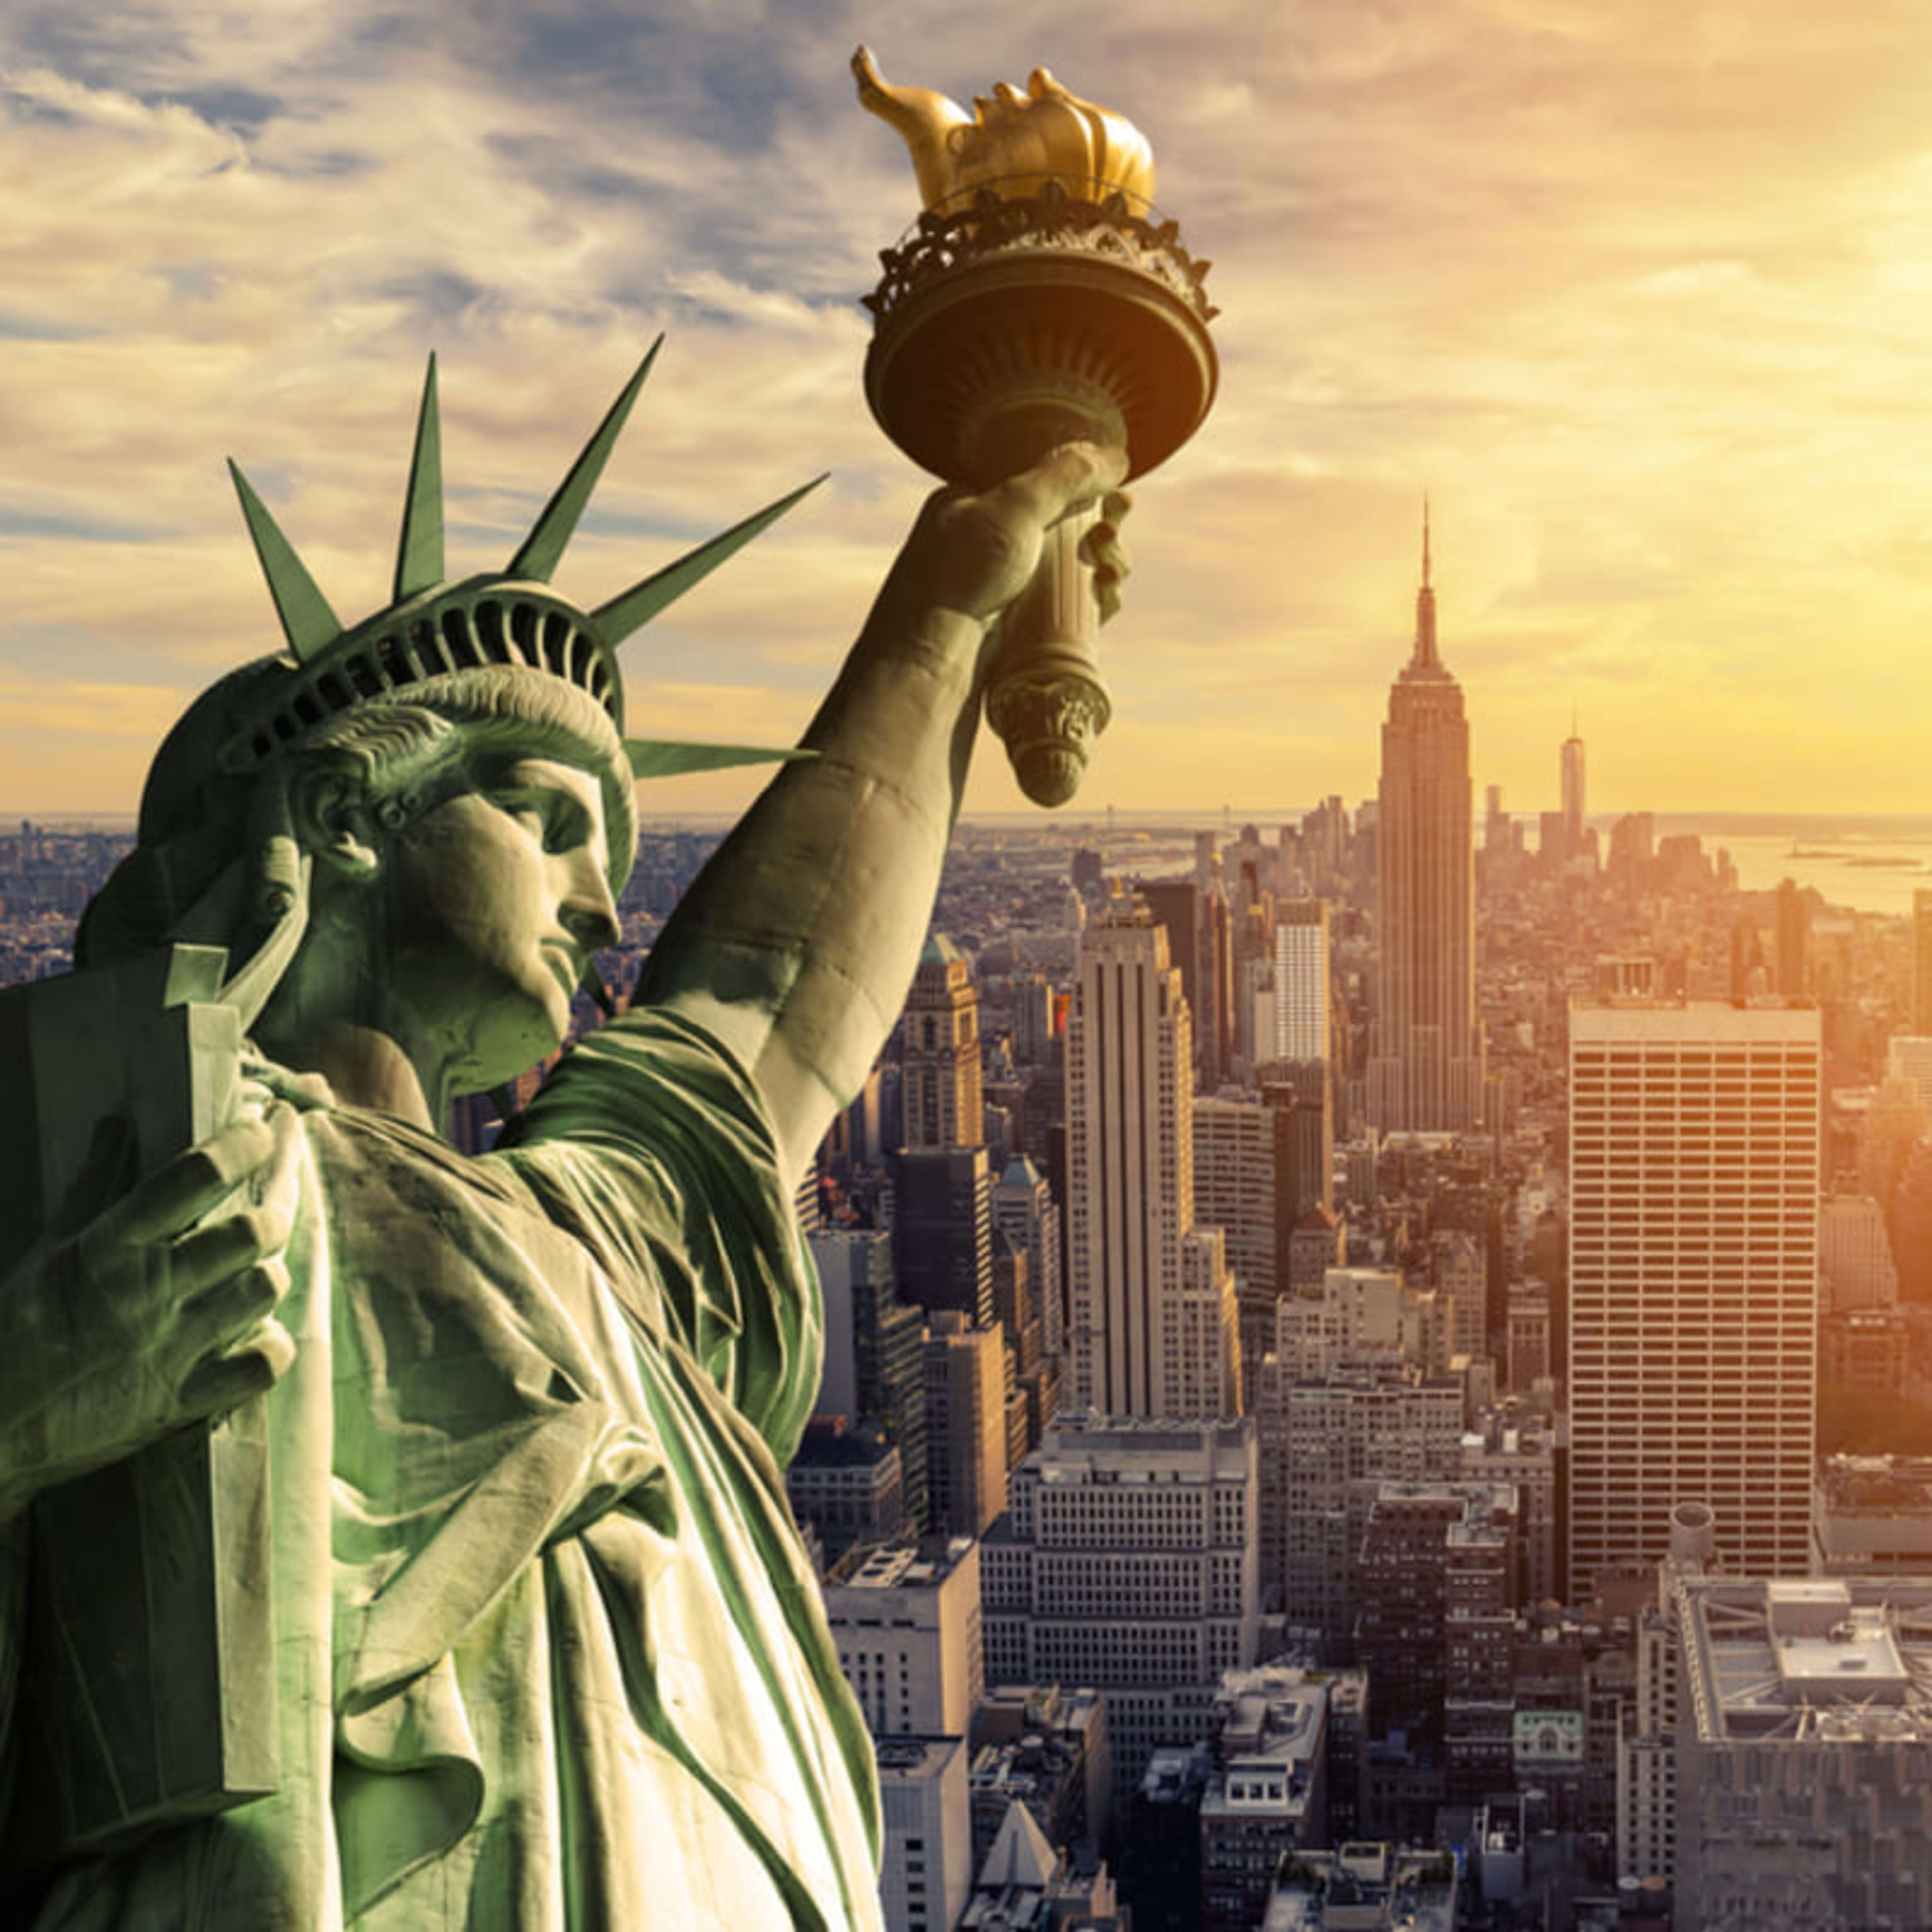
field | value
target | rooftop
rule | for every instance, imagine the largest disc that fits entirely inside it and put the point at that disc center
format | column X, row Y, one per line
column 912, row 1757
column 1800, row 1660
column 1364, row 1888
column 1882, row 1485
column 893, row 1566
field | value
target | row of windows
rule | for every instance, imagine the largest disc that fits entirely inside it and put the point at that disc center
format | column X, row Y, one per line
column 1755, row 1061
column 1784, row 1268
column 1768, row 1231
column 1624, row 1114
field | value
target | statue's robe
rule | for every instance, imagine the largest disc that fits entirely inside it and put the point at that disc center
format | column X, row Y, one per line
column 550, row 1654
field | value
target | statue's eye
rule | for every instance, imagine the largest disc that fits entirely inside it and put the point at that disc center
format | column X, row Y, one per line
column 528, row 815
column 555, row 819
column 528, row 809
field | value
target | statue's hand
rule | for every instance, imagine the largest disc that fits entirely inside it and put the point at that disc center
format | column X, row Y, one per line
column 160, row 1312
column 1101, row 550
column 978, row 550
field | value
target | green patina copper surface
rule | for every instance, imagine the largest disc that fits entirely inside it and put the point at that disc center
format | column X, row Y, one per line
column 504, row 1518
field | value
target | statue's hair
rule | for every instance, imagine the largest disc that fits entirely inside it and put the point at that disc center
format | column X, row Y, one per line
column 407, row 753
column 398, row 757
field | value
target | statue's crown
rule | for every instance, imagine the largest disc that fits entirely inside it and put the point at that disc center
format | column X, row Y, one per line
column 433, row 627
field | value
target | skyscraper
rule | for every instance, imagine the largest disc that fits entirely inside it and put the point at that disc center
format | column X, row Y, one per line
column 872, row 1341
column 1134, row 1276
column 1176, row 904
column 1573, row 793
column 1024, row 1210
column 944, row 1229
column 1794, row 941
column 966, row 1427
column 1302, row 1020
column 1244, row 1184
column 1495, row 821
column 1922, row 961
column 1694, row 1279
column 1426, row 1072
column 941, row 1052
column 942, row 1233
column 1195, row 915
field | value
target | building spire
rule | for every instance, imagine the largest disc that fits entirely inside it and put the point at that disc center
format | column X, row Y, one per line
column 1425, row 658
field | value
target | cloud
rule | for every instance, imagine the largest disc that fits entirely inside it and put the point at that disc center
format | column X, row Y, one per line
column 1635, row 291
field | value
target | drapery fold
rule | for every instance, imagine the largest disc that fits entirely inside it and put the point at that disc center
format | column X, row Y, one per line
column 551, row 1658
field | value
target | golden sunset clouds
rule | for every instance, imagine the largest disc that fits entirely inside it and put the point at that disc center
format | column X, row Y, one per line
column 1638, row 292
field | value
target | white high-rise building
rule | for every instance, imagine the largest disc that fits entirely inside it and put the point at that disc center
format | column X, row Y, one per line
column 1201, row 1339
column 1023, row 1209
column 1909, row 1056
column 905, row 1621
column 1694, row 1279
column 1128, row 1561
column 1855, row 1268
column 1144, row 1304
column 1239, row 1155
column 1301, row 996
column 925, row 1859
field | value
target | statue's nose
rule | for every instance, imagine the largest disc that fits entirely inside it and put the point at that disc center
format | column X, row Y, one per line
column 589, row 913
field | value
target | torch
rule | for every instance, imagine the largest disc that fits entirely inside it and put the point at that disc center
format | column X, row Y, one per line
column 1038, row 300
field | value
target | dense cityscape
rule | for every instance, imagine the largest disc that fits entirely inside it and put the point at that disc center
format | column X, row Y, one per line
column 1375, row 1367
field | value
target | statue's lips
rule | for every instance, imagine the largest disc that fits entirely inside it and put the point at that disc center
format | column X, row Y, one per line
column 564, row 960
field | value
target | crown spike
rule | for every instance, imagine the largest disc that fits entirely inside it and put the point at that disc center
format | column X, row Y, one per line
column 419, row 555
column 636, row 606
column 553, row 530
column 664, row 758
column 308, row 622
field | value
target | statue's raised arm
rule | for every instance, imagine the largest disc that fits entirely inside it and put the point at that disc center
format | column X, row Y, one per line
column 799, row 941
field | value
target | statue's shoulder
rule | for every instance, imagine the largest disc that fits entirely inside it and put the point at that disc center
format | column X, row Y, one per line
column 653, row 1082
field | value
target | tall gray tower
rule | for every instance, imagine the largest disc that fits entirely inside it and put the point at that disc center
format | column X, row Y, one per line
column 943, row 1225
column 1426, row 1069
column 1572, row 793
column 1155, row 1329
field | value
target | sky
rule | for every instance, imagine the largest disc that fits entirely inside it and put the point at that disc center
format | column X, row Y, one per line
column 1635, row 291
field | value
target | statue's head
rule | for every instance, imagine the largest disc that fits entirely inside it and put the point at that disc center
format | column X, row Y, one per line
column 295, row 775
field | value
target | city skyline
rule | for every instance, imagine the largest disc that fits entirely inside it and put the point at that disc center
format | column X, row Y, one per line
column 1632, row 293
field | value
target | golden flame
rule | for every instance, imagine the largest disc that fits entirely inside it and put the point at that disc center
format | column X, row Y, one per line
column 1014, row 143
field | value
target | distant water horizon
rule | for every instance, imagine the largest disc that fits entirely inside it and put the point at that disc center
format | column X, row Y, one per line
column 1868, row 861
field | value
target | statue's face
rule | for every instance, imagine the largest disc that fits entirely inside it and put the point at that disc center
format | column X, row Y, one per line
column 494, row 901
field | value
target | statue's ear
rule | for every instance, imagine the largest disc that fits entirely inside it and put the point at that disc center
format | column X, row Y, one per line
column 334, row 820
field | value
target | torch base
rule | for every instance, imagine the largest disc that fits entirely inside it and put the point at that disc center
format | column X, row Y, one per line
column 1005, row 329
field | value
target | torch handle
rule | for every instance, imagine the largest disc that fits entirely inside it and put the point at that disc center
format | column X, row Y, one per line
column 1044, row 696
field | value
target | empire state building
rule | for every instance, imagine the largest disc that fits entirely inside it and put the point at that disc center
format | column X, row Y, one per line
column 1425, row 1069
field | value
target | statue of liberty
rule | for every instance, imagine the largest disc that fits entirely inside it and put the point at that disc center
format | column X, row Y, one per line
column 546, row 1653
